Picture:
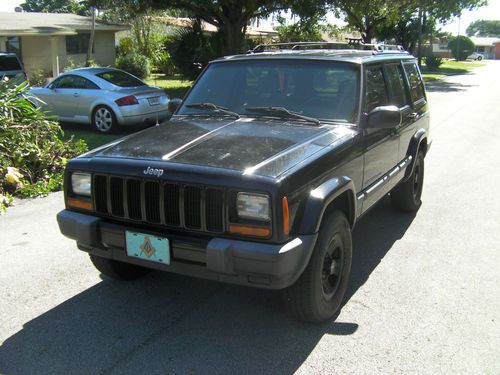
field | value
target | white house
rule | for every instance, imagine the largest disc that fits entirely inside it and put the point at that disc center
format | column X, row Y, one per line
column 46, row 41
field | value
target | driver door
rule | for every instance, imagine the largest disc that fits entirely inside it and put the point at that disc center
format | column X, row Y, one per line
column 62, row 96
column 381, row 145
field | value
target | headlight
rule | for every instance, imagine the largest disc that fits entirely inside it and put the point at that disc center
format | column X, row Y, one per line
column 253, row 206
column 80, row 184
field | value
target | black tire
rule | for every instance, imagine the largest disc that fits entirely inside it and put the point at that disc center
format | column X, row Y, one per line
column 407, row 195
column 479, row 58
column 319, row 292
column 104, row 119
column 118, row 270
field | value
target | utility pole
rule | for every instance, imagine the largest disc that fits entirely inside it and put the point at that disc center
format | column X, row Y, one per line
column 419, row 53
column 457, row 57
column 91, row 40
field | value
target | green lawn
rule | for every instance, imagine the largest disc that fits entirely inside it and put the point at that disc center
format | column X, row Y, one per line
column 90, row 136
column 448, row 68
column 175, row 87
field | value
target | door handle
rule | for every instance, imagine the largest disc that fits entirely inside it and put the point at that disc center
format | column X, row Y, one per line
column 75, row 95
column 412, row 115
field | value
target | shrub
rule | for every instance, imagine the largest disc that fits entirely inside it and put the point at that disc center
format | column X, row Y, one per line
column 460, row 47
column 163, row 63
column 135, row 64
column 38, row 78
column 72, row 64
column 125, row 46
column 433, row 62
column 191, row 50
column 32, row 155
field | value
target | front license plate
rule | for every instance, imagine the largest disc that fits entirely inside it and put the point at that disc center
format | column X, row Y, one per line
column 154, row 101
column 148, row 247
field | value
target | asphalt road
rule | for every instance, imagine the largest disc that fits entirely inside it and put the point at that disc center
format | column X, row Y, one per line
column 424, row 295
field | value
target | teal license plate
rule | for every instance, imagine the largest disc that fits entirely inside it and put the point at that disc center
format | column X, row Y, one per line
column 148, row 247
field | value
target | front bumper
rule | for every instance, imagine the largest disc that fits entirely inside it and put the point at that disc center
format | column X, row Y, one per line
column 271, row 266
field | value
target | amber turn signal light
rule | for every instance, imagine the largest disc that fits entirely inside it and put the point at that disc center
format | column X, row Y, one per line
column 286, row 217
column 248, row 230
column 80, row 204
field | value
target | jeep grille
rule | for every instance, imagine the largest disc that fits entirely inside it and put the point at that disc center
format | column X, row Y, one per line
column 161, row 203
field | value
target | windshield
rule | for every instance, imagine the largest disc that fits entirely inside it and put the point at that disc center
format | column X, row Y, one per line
column 121, row 79
column 9, row 63
column 321, row 89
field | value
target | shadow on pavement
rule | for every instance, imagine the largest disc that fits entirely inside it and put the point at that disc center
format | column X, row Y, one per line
column 444, row 86
column 170, row 323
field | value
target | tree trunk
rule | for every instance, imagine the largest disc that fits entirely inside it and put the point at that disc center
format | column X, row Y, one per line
column 234, row 36
column 419, row 48
column 91, row 39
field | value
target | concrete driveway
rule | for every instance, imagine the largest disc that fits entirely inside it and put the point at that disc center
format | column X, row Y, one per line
column 424, row 297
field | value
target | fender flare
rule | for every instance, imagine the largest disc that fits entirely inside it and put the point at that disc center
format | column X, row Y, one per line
column 415, row 143
column 319, row 200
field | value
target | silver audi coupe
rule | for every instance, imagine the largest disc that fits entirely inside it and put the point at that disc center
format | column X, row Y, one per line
column 104, row 97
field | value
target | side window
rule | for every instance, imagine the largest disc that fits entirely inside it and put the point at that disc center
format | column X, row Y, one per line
column 416, row 84
column 65, row 82
column 86, row 84
column 376, row 94
column 395, row 81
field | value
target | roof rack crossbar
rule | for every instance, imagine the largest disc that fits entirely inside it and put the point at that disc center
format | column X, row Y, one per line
column 352, row 43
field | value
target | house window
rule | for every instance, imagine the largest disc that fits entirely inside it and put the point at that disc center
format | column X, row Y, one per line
column 13, row 44
column 77, row 44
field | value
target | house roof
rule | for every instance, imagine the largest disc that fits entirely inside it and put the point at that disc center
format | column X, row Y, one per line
column 209, row 28
column 27, row 23
column 484, row 41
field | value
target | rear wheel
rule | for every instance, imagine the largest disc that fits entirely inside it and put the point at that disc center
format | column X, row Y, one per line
column 118, row 270
column 104, row 119
column 407, row 195
column 319, row 292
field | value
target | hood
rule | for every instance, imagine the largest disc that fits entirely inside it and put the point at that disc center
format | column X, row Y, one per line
column 253, row 146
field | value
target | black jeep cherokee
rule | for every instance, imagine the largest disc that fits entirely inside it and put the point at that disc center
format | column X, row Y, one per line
column 261, row 173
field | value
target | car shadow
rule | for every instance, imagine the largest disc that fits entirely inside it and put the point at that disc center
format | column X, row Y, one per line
column 171, row 323
column 444, row 86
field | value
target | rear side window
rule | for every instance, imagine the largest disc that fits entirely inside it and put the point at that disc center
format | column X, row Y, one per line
column 416, row 84
column 121, row 79
column 395, row 81
column 9, row 63
column 376, row 94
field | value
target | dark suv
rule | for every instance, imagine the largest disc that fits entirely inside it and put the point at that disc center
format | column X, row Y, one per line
column 261, row 174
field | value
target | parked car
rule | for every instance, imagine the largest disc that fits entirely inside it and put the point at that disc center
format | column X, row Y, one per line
column 104, row 97
column 261, row 174
column 476, row 56
column 11, row 68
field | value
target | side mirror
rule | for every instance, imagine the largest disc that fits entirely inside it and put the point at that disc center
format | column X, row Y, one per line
column 387, row 116
column 173, row 104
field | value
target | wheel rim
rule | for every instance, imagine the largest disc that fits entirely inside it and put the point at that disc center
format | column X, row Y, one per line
column 103, row 119
column 333, row 265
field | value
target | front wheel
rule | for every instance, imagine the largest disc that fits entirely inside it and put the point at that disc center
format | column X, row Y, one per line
column 407, row 195
column 104, row 119
column 118, row 270
column 319, row 292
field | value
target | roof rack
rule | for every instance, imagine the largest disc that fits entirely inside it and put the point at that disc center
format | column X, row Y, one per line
column 351, row 44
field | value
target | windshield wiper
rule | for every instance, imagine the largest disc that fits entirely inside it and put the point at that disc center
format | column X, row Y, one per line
column 284, row 112
column 213, row 107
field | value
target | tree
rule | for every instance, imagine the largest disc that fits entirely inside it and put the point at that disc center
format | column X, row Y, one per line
column 231, row 17
column 368, row 16
column 461, row 47
column 305, row 30
column 52, row 6
column 484, row 28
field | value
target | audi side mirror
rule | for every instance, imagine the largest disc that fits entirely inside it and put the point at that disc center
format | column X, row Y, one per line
column 173, row 104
